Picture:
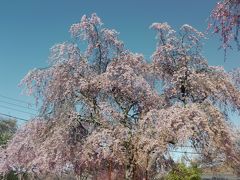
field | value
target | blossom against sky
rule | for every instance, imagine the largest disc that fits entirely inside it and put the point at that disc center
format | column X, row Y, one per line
column 30, row 28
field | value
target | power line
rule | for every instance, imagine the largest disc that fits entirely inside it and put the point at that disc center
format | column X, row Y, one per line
column 3, row 114
column 9, row 103
column 6, row 107
column 190, row 147
column 185, row 152
column 17, row 100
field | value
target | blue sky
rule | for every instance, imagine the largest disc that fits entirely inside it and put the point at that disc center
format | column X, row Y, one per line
column 30, row 27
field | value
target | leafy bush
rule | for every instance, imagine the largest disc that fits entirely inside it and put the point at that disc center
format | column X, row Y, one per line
column 183, row 172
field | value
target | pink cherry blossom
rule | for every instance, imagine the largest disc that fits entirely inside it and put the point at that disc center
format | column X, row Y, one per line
column 225, row 21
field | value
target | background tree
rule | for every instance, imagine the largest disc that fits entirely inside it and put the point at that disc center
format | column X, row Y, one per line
column 107, row 113
column 7, row 128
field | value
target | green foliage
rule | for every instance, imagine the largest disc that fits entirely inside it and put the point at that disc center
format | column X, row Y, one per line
column 10, row 176
column 7, row 128
column 183, row 172
column 13, row 176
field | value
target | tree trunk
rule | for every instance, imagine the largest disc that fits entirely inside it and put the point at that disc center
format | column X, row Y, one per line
column 110, row 171
column 129, row 175
column 130, row 166
column 146, row 175
column 20, row 176
column 95, row 174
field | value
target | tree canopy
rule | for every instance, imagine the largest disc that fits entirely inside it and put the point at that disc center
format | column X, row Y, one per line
column 107, row 112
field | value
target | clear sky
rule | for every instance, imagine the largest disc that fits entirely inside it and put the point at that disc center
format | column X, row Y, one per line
column 30, row 27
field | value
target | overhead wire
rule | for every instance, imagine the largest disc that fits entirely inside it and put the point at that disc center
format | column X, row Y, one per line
column 185, row 152
column 14, row 117
column 6, row 107
column 16, row 100
column 7, row 104
column 13, row 104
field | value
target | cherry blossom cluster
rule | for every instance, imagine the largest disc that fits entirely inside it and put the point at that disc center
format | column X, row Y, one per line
column 225, row 21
